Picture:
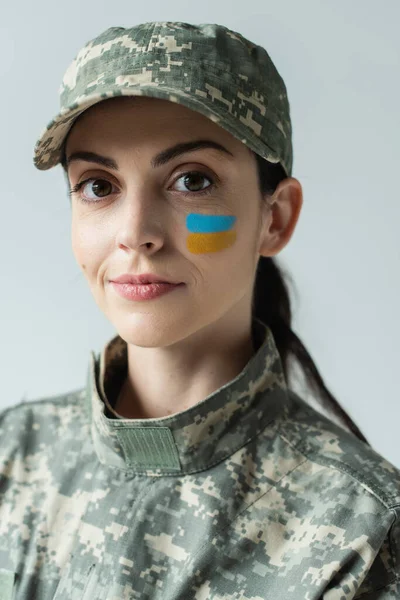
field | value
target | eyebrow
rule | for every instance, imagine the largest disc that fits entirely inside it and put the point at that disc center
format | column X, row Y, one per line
column 160, row 159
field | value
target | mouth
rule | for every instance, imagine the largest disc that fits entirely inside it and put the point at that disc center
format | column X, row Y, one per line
column 142, row 279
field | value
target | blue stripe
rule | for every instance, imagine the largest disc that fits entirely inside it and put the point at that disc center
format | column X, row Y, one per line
column 209, row 223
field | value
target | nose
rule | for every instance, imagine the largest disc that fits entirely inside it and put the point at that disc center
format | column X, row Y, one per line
column 140, row 222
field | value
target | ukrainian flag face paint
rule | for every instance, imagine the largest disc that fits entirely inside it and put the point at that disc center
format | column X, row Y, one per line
column 210, row 233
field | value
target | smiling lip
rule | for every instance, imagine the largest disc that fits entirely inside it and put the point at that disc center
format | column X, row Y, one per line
column 143, row 278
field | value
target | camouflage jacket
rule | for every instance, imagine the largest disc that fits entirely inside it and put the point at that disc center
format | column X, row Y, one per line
column 250, row 494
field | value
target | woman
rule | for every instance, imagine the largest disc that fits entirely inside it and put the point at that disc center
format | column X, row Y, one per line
column 187, row 468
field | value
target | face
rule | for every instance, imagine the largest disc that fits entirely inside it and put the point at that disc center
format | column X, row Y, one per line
column 194, row 219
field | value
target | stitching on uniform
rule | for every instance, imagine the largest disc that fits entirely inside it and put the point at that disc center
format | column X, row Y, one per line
column 191, row 409
column 345, row 468
column 301, row 447
column 204, row 467
column 153, row 473
column 331, row 462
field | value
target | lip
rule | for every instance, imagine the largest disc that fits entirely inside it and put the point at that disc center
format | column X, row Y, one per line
column 143, row 278
column 142, row 291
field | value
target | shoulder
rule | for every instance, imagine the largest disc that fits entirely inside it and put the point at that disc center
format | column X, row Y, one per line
column 46, row 403
column 323, row 442
column 35, row 422
column 353, row 489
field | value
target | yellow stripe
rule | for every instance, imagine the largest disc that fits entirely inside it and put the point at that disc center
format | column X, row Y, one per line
column 199, row 243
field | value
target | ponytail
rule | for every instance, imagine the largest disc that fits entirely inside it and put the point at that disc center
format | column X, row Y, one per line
column 272, row 305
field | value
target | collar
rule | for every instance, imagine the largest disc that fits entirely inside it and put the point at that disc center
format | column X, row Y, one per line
column 194, row 439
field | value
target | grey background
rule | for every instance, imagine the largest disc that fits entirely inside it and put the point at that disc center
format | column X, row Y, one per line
column 340, row 62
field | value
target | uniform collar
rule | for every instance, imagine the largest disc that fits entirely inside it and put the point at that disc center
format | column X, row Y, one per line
column 194, row 439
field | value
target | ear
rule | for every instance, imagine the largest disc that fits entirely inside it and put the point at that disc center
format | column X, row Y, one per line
column 281, row 213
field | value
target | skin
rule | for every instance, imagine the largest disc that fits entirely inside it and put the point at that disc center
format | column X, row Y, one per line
column 184, row 345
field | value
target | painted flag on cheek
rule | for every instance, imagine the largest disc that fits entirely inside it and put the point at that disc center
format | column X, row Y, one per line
column 210, row 233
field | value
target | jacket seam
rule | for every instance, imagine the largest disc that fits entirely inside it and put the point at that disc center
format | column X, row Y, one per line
column 342, row 466
column 349, row 471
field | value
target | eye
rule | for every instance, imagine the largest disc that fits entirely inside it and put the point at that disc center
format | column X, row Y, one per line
column 196, row 177
column 99, row 187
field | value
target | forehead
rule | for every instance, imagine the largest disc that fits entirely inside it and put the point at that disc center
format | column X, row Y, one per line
column 142, row 117
column 135, row 111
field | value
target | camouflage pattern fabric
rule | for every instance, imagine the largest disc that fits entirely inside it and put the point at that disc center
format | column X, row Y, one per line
column 248, row 495
column 207, row 68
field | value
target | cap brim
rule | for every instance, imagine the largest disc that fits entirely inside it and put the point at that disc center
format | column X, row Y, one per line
column 48, row 148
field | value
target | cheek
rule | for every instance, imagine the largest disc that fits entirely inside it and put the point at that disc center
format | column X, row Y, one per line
column 78, row 245
column 210, row 233
column 86, row 247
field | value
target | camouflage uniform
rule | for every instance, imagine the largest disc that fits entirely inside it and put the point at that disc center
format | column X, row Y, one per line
column 248, row 495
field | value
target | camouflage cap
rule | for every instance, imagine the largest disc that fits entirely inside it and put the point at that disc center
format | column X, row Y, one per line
column 207, row 68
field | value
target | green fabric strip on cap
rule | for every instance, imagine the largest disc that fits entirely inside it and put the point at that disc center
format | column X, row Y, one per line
column 149, row 447
column 6, row 584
